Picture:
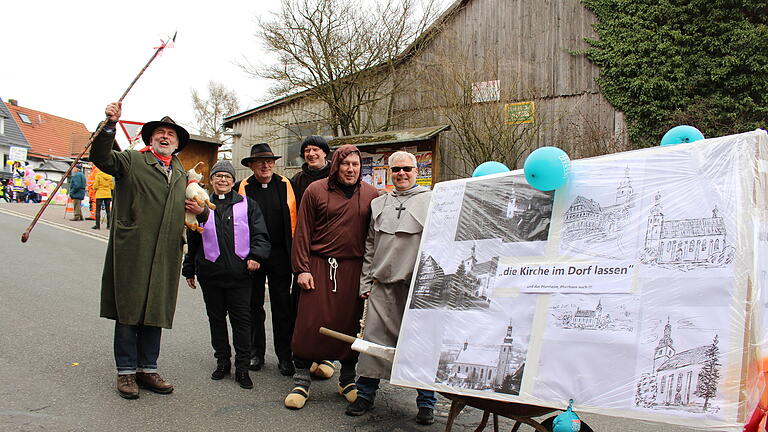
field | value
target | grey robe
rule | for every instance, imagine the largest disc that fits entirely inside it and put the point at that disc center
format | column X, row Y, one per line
column 390, row 256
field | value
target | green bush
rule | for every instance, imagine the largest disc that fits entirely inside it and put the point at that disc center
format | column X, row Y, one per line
column 666, row 62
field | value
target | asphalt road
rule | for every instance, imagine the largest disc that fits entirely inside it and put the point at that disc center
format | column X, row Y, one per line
column 57, row 371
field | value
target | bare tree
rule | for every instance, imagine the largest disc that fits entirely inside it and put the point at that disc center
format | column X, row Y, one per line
column 210, row 112
column 342, row 53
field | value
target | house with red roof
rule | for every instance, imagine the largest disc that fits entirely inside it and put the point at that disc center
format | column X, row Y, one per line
column 53, row 141
column 49, row 136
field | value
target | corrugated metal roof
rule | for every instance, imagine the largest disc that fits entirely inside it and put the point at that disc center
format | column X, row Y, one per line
column 204, row 139
column 422, row 40
column 389, row 137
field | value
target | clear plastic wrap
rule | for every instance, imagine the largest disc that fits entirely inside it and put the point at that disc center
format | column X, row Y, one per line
column 637, row 289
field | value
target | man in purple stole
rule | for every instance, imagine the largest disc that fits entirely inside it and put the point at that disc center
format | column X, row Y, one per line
column 234, row 243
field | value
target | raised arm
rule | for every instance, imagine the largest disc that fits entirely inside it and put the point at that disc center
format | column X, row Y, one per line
column 110, row 161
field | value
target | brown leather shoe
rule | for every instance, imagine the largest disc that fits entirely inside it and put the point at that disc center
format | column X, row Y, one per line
column 154, row 382
column 127, row 387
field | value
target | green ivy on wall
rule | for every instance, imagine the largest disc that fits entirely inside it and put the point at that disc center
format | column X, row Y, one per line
column 670, row 62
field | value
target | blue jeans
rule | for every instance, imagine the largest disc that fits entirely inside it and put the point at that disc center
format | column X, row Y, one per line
column 366, row 389
column 137, row 348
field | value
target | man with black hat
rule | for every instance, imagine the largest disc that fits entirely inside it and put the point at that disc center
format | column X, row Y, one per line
column 142, row 267
column 274, row 194
column 234, row 243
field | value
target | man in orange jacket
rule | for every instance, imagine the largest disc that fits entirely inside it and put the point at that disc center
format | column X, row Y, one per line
column 91, row 192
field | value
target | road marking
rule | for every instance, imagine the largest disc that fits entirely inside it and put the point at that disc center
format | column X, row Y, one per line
column 56, row 225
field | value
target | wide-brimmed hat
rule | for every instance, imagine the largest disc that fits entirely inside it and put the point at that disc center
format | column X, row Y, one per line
column 259, row 151
column 149, row 128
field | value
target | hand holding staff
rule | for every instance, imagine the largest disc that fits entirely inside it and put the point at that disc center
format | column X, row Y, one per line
column 113, row 112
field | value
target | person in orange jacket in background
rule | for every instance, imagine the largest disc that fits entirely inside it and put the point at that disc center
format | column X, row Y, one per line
column 91, row 192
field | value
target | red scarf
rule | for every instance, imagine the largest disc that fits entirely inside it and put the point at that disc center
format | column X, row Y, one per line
column 166, row 160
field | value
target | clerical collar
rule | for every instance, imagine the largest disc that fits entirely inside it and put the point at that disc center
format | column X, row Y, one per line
column 264, row 185
column 222, row 196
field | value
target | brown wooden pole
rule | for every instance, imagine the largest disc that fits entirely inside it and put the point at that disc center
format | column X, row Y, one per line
column 334, row 334
column 25, row 235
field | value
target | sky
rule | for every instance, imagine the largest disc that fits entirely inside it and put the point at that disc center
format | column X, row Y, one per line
column 71, row 58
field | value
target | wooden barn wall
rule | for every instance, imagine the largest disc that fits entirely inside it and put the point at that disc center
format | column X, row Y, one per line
column 268, row 126
column 525, row 44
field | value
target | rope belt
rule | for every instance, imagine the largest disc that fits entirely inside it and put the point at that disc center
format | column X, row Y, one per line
column 332, row 271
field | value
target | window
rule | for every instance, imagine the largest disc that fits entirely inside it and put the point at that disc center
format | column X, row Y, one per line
column 295, row 134
column 25, row 118
column 2, row 125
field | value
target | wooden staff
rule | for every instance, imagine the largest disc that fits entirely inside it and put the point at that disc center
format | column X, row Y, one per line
column 25, row 235
column 363, row 346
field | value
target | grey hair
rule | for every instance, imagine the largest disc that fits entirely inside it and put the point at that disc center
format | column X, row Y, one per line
column 402, row 155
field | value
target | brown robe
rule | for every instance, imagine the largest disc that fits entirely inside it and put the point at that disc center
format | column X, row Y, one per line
column 330, row 225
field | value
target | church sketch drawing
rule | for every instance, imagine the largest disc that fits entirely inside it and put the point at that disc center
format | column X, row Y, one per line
column 588, row 224
column 507, row 208
column 599, row 315
column 686, row 243
column 487, row 367
column 469, row 287
column 682, row 380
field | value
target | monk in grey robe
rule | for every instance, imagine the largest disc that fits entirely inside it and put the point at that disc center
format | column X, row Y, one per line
column 397, row 221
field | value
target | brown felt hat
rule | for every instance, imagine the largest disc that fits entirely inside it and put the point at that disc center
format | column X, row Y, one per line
column 148, row 129
column 259, row 151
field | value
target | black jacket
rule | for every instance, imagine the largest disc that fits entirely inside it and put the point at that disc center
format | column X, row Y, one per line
column 277, row 180
column 302, row 179
column 228, row 266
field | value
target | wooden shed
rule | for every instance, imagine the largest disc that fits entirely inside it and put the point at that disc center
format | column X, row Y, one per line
column 200, row 149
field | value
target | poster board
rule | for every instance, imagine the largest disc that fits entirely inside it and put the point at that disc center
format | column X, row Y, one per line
column 628, row 290
column 375, row 168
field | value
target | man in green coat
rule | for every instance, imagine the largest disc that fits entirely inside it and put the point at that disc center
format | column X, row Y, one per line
column 142, row 267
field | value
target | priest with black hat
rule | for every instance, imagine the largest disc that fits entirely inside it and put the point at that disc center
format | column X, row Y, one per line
column 274, row 194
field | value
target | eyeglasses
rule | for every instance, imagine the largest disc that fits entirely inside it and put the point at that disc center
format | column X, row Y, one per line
column 223, row 177
column 405, row 168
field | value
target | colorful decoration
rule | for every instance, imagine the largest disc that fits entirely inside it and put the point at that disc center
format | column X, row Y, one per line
column 547, row 168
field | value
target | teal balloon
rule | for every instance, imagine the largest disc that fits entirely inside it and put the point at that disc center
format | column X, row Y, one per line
column 547, row 168
column 568, row 421
column 490, row 167
column 681, row 134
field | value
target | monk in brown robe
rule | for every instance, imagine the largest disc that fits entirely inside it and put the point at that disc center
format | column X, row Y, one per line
column 327, row 258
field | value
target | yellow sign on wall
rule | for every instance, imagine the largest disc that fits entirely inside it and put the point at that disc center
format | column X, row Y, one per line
column 519, row 112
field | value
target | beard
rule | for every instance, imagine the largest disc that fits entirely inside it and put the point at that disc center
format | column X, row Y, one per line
column 164, row 151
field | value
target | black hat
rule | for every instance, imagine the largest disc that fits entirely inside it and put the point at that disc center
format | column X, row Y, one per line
column 223, row 166
column 259, row 151
column 149, row 128
column 317, row 141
